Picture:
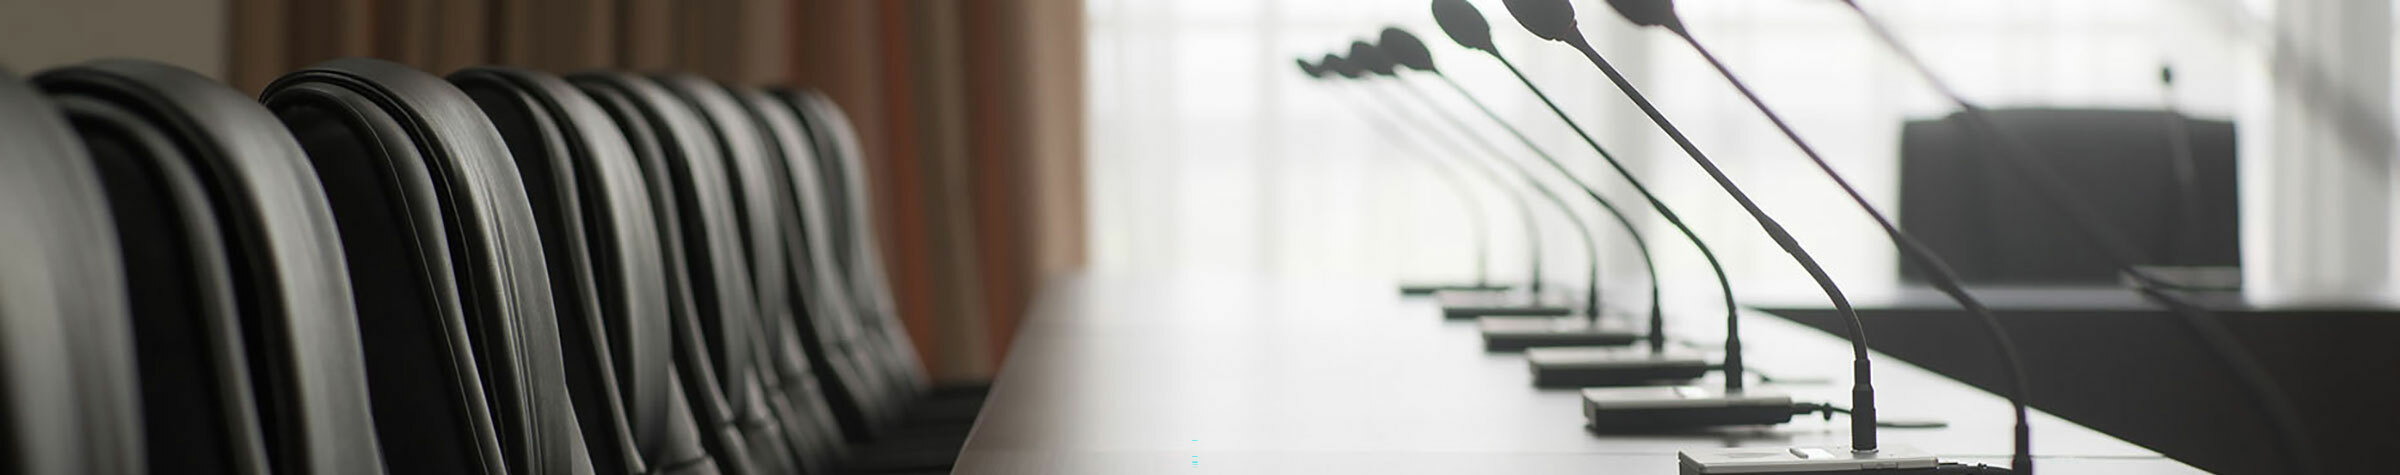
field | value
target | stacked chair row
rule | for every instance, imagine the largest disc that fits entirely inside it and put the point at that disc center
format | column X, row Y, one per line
column 370, row 268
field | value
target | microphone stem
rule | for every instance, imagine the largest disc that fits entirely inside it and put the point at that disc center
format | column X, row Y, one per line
column 2054, row 193
column 1533, row 230
column 1733, row 324
column 1591, row 245
column 1658, row 336
column 1862, row 404
column 1466, row 194
column 2186, row 170
column 1937, row 271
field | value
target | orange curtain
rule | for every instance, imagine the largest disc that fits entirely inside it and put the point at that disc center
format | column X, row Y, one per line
column 973, row 111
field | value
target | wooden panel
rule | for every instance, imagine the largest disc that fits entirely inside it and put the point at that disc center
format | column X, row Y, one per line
column 257, row 55
column 461, row 35
column 648, row 29
column 326, row 29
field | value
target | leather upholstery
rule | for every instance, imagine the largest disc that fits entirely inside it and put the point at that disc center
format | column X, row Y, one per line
column 286, row 371
column 444, row 232
column 66, row 353
column 708, row 273
column 602, row 242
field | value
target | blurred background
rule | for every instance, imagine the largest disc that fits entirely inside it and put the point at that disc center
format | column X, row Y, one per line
column 1016, row 140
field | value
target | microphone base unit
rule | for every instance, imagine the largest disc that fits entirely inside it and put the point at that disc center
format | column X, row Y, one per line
column 1515, row 334
column 1583, row 367
column 1888, row 460
column 1471, row 305
column 1676, row 408
column 1425, row 289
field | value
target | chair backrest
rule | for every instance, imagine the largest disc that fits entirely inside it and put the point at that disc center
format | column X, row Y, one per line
column 844, row 167
column 448, row 237
column 760, row 205
column 185, row 327
column 601, row 246
column 66, row 353
column 828, row 333
column 295, row 339
column 796, row 357
column 708, row 269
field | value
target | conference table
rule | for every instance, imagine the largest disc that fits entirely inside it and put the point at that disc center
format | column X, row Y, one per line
column 1191, row 373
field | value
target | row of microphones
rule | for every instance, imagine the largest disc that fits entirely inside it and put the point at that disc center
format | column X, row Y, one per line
column 1569, row 356
column 1480, row 233
column 1937, row 272
column 1506, row 333
column 2052, row 190
column 1371, row 63
column 1683, row 407
column 1332, row 66
column 1675, row 407
column 1594, row 367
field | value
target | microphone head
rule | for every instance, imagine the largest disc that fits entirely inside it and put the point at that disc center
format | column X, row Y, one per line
column 1372, row 59
column 1464, row 24
column 1311, row 70
column 1647, row 12
column 1343, row 67
column 1552, row 20
column 1406, row 49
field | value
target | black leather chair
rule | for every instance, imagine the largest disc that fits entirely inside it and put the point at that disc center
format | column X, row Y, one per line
column 249, row 349
column 766, row 211
column 860, row 388
column 66, row 352
column 842, row 161
column 823, row 341
column 845, row 171
column 464, row 361
column 188, row 347
column 708, row 270
column 601, row 239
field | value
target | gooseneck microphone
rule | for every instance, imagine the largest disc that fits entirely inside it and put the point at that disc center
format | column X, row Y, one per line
column 1466, row 196
column 2054, row 193
column 1466, row 25
column 1354, row 70
column 1366, row 55
column 2186, row 172
column 1937, row 272
column 1405, row 49
column 1555, row 20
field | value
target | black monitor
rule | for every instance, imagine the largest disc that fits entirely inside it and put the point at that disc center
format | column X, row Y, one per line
column 1976, row 213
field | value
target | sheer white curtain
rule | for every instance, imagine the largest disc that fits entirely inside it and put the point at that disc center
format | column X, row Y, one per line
column 1210, row 151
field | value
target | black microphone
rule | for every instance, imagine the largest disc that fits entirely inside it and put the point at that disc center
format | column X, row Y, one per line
column 1459, row 305
column 2186, row 172
column 1506, row 334
column 1466, row 201
column 1650, row 408
column 2053, row 192
column 1937, row 272
column 1570, row 366
column 1554, row 20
